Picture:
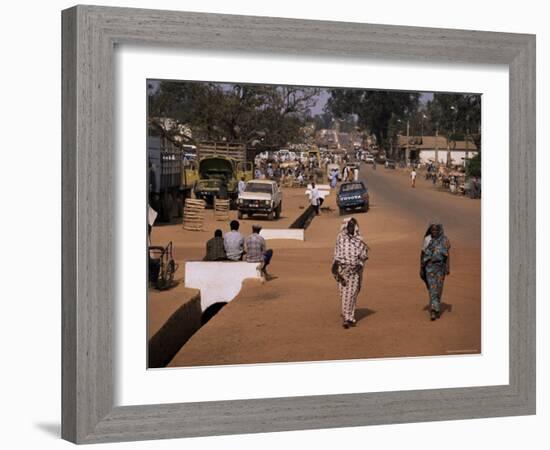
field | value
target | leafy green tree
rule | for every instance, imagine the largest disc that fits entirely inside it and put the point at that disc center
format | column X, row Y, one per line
column 270, row 115
column 473, row 167
column 374, row 109
column 457, row 116
column 323, row 120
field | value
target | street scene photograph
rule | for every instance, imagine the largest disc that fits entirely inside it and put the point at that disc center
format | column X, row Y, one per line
column 298, row 223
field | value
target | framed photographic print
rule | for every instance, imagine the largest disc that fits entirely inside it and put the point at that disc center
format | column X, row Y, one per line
column 249, row 199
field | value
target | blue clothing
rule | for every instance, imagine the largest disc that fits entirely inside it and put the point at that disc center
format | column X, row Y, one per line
column 333, row 180
column 434, row 267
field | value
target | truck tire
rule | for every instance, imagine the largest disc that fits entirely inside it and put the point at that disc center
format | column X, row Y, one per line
column 278, row 210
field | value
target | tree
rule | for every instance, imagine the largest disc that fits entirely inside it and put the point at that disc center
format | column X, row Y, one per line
column 272, row 115
column 473, row 166
column 323, row 121
column 374, row 109
column 458, row 116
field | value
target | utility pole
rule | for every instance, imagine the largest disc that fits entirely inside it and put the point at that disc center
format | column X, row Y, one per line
column 467, row 138
column 422, row 125
column 437, row 144
column 449, row 159
column 408, row 153
column 407, row 149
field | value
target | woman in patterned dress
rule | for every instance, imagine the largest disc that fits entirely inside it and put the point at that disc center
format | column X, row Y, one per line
column 435, row 265
column 350, row 255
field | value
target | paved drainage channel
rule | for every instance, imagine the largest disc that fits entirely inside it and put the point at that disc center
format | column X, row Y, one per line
column 303, row 221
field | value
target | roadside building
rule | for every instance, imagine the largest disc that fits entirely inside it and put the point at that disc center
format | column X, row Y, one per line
column 435, row 149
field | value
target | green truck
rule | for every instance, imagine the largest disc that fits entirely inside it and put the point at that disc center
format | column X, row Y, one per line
column 174, row 175
column 219, row 167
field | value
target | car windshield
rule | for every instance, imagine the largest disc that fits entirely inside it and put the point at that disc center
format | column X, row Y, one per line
column 258, row 187
column 351, row 187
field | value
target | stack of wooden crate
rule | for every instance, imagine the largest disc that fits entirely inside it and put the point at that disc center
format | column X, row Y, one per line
column 221, row 209
column 193, row 215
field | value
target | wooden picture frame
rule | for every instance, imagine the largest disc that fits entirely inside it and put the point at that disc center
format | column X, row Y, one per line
column 90, row 34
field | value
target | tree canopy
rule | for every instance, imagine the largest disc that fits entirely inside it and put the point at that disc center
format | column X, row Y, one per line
column 457, row 116
column 374, row 109
column 271, row 116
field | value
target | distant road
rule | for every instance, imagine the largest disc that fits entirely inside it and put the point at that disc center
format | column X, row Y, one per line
column 424, row 203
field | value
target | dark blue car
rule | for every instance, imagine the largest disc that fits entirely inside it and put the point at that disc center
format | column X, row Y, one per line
column 353, row 195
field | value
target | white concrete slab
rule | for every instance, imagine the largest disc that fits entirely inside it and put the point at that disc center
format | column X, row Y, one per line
column 321, row 187
column 218, row 281
column 283, row 233
column 322, row 193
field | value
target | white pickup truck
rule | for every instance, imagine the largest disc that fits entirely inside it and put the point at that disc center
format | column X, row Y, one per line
column 260, row 197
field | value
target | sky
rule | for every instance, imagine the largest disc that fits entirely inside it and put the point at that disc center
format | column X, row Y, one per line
column 323, row 98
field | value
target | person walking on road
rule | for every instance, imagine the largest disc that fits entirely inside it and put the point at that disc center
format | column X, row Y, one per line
column 435, row 265
column 333, row 178
column 413, row 178
column 350, row 255
column 315, row 198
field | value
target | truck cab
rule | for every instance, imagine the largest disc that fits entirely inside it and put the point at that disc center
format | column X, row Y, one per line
column 353, row 195
column 221, row 165
column 215, row 172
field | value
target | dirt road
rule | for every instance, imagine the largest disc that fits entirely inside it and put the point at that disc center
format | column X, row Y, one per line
column 296, row 316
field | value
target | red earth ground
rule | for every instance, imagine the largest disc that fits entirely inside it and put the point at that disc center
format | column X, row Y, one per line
column 296, row 315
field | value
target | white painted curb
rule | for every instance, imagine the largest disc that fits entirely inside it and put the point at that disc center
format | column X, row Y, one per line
column 324, row 190
column 283, row 233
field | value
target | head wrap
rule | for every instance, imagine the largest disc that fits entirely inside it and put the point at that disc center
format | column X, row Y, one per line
column 350, row 249
column 428, row 234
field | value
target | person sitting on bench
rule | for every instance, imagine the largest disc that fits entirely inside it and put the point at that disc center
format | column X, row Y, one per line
column 256, row 251
column 215, row 250
column 234, row 242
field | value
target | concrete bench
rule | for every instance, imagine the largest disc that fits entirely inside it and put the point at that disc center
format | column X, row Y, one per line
column 324, row 190
column 283, row 233
column 321, row 187
column 218, row 281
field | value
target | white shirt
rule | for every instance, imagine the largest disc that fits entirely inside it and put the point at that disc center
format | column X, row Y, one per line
column 314, row 196
column 413, row 174
column 241, row 186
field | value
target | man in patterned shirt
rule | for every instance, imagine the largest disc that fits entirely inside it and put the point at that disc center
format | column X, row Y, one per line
column 256, row 250
column 350, row 255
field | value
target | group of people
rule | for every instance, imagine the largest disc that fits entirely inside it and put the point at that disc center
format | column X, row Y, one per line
column 235, row 247
column 352, row 252
column 454, row 179
column 350, row 173
column 279, row 172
